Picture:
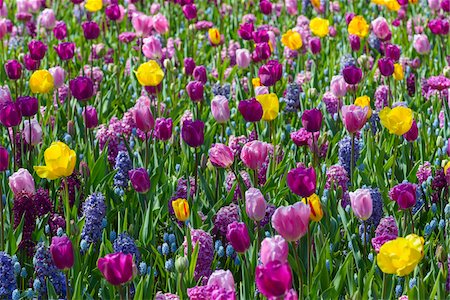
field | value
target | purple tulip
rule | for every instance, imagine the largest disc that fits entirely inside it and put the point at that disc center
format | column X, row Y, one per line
column 261, row 52
column 28, row 105
column 192, row 133
column 438, row 26
column 117, row 268
column 352, row 75
column 90, row 117
column 91, row 30
column 265, row 6
column 163, row 129
column 386, row 66
column 237, row 236
column 65, row 50
column 251, row 110
column 221, row 156
column 189, row 65
column 302, row 181
column 355, row 42
column 62, row 252
column 270, row 73
column 412, row 133
column 32, row 132
column 274, row 279
column 81, row 88
column 404, row 194
column 30, row 64
column 4, row 159
column 13, row 69
column 60, row 30
column 254, row 154
column 245, row 31
column 315, row 45
column 200, row 74
column 37, row 49
column 190, row 11
column 140, row 180
column 312, row 120
column 261, row 36
column 393, row 52
column 195, row 91
column 10, row 114
column 255, row 204
column 112, row 11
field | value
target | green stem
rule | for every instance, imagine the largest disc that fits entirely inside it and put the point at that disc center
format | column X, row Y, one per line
column 352, row 159
column 67, row 285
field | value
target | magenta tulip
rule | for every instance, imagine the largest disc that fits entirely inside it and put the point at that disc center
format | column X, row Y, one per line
column 312, row 120
column 361, row 202
column 28, row 105
column 81, row 88
column 302, row 181
column 117, row 268
column 60, row 30
column 292, row 221
column 274, row 279
column 10, row 114
column 352, row 75
column 4, row 159
column 354, row 117
column 37, row 49
column 13, row 69
column 237, row 236
column 140, row 180
column 90, row 117
column 195, row 91
column 412, row 133
column 142, row 115
column 404, row 194
column 200, row 74
column 91, row 30
column 192, row 133
column 386, row 66
column 189, row 65
column 270, row 73
column 245, row 31
column 251, row 110
column 62, row 253
column 254, row 154
column 221, row 156
column 163, row 129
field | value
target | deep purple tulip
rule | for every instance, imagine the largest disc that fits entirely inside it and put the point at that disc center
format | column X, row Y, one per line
column 77, row 1
column 13, row 69
column 312, row 120
column 189, row 66
column 200, row 74
column 302, row 181
column 10, row 114
column 4, row 159
column 30, row 64
column 91, row 30
column 190, row 11
column 352, row 75
column 28, row 105
column 413, row 133
column 112, row 11
column 439, row 26
column 386, row 66
column 65, row 50
column 245, row 31
column 237, row 236
column 251, row 110
column 153, row 90
column 140, row 180
column 37, row 49
column 192, row 133
column 163, row 129
column 355, row 42
column 117, row 268
column 261, row 36
column 62, row 252
column 195, row 91
column 81, row 88
column 270, row 73
column 266, row 7
column 261, row 52
column 315, row 45
column 274, row 279
column 404, row 194
column 90, row 117
column 393, row 52
column 60, row 30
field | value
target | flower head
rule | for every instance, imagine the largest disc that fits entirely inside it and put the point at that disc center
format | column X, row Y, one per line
column 59, row 162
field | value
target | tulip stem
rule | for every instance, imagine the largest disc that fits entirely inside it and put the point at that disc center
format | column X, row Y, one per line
column 119, row 289
column 365, row 239
column 412, row 220
column 297, row 260
column 352, row 159
column 67, row 285
column 67, row 206
column 196, row 171
column 383, row 290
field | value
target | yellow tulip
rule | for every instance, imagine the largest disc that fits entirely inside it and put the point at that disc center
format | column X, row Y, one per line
column 392, row 5
column 93, row 5
column 181, row 209
column 447, row 165
column 292, row 40
column 270, row 105
column 41, row 82
column 59, row 162
column 319, row 26
column 358, row 26
column 397, row 120
column 256, row 82
column 315, row 3
column 398, row 72
column 364, row 101
column 149, row 73
column 401, row 256
column 214, row 36
column 315, row 207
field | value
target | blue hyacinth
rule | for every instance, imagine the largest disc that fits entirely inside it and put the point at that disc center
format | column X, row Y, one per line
column 345, row 152
column 125, row 244
column 46, row 269
column 123, row 165
column 94, row 209
column 8, row 281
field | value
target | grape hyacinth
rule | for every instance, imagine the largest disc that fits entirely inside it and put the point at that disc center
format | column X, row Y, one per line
column 292, row 98
column 125, row 244
column 345, row 150
column 45, row 268
column 8, row 281
column 94, row 210
column 123, row 165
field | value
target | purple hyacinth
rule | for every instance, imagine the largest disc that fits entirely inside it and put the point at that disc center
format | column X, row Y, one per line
column 292, row 97
column 439, row 186
column 24, row 207
column 56, row 221
column 332, row 103
column 231, row 179
column 74, row 187
column 347, row 60
column 45, row 268
column 205, row 252
column 423, row 172
column 236, row 143
column 210, row 292
column 381, row 97
column 125, row 244
column 345, row 150
column 377, row 207
column 226, row 215
column 447, row 282
column 270, row 209
column 42, row 202
column 123, row 165
column 8, row 281
column 411, row 84
column 94, row 210
column 386, row 230
column 337, row 177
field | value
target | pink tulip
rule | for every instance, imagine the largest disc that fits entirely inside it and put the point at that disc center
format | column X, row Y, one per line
column 254, row 154
column 117, row 268
column 421, row 44
column 160, row 24
column 361, row 202
column 35, row 131
column 274, row 249
column 221, row 156
column 243, row 58
column 152, row 48
column 291, row 7
column 21, row 181
column 47, row 19
column 354, row 117
column 223, row 279
column 255, row 204
column 220, row 109
column 58, row 74
column 142, row 114
column 142, row 24
column 3, row 28
column 380, row 28
column 292, row 221
column 338, row 86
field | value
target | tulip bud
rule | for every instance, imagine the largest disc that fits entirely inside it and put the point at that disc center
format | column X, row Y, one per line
column 315, row 45
column 220, row 109
column 140, row 180
column 255, row 204
column 71, row 128
column 13, row 69
column 181, row 264
column 237, row 236
column 62, row 252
